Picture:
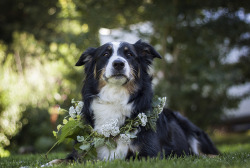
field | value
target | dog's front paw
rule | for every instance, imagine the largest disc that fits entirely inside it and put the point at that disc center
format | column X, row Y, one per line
column 53, row 162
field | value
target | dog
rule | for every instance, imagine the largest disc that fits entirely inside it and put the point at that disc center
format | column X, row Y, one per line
column 118, row 86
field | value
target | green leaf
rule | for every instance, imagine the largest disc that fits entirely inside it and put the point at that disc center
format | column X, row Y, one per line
column 156, row 101
column 58, row 127
column 98, row 142
column 71, row 119
column 55, row 133
column 80, row 138
column 78, row 117
column 70, row 128
column 91, row 154
column 133, row 136
column 111, row 143
column 65, row 121
column 85, row 147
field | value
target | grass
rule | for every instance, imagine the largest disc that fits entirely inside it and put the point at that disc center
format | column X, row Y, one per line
column 235, row 154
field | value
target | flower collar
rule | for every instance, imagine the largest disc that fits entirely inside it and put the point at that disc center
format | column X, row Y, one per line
column 75, row 128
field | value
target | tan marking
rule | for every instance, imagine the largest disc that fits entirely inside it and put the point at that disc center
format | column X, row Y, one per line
column 139, row 73
column 109, row 47
column 95, row 72
column 131, row 86
column 102, row 82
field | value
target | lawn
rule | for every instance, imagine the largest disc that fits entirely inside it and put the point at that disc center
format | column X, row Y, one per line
column 235, row 151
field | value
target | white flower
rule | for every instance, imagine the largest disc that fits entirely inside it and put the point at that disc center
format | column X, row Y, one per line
column 73, row 101
column 105, row 132
column 110, row 128
column 79, row 108
column 125, row 138
column 80, row 138
column 113, row 122
column 80, row 104
column 115, row 131
column 163, row 101
column 143, row 119
column 72, row 112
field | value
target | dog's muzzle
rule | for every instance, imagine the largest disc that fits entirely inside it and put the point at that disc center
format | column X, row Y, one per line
column 118, row 72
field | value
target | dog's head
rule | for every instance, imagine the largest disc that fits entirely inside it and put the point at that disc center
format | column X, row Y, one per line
column 117, row 63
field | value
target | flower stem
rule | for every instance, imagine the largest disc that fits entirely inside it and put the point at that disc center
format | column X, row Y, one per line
column 46, row 155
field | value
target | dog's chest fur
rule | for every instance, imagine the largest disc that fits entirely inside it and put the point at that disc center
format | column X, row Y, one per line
column 111, row 103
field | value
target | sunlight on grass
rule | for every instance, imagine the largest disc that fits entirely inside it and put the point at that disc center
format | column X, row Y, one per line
column 4, row 153
column 234, row 148
column 232, row 142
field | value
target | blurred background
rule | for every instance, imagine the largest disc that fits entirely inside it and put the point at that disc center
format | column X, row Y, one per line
column 205, row 70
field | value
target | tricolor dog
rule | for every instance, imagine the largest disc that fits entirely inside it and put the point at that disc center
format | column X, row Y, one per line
column 118, row 86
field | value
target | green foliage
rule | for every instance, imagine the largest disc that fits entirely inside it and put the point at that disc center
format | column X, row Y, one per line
column 37, row 17
column 194, row 38
column 35, row 76
column 157, row 105
column 30, row 128
column 71, row 129
column 33, row 85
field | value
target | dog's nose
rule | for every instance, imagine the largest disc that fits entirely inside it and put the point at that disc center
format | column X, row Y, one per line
column 118, row 65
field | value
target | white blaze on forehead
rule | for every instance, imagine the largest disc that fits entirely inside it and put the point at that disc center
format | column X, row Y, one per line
column 115, row 56
column 116, row 46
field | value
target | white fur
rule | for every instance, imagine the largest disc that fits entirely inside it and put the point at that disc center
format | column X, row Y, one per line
column 112, row 103
column 104, row 153
column 194, row 144
column 150, row 71
column 115, row 56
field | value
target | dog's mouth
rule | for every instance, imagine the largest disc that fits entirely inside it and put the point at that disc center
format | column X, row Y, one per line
column 118, row 79
column 119, row 76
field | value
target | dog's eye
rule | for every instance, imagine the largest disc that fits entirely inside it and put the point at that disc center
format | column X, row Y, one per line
column 106, row 54
column 129, row 54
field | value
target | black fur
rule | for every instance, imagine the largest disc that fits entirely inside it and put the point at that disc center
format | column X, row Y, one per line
column 173, row 130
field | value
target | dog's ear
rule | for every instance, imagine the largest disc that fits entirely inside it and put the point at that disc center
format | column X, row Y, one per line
column 146, row 50
column 86, row 56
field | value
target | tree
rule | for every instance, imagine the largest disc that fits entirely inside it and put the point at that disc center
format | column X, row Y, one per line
column 194, row 38
column 37, row 17
column 40, row 44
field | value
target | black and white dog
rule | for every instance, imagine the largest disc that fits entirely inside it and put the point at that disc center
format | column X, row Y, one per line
column 118, row 86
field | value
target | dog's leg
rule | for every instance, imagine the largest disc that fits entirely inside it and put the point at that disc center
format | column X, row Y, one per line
column 72, row 157
column 54, row 162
